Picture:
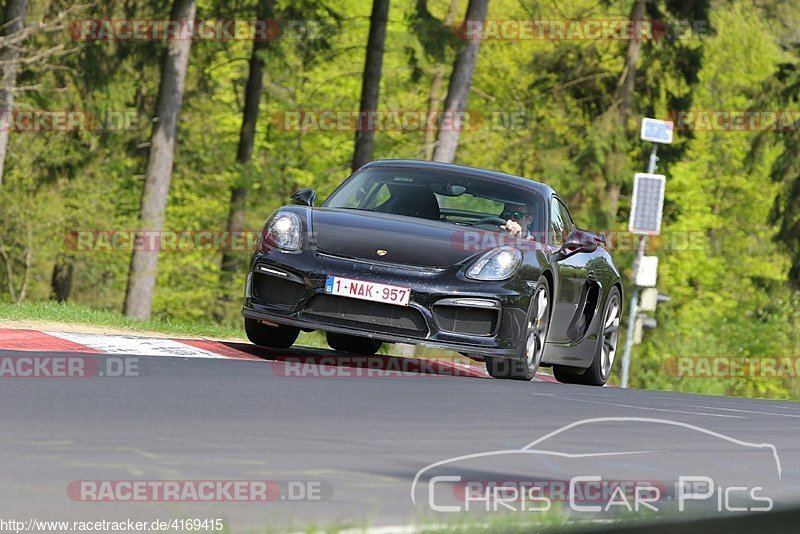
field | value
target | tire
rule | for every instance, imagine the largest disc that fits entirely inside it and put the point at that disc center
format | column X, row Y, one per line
column 597, row 374
column 533, row 343
column 353, row 344
column 276, row 337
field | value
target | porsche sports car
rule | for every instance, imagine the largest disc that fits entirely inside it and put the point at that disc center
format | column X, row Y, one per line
column 484, row 263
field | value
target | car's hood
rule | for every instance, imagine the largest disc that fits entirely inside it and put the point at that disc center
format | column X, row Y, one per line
column 405, row 240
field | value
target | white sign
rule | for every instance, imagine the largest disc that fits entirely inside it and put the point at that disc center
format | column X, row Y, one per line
column 656, row 131
column 649, row 299
column 646, row 272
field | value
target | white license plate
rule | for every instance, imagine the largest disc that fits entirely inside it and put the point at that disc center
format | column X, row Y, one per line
column 357, row 289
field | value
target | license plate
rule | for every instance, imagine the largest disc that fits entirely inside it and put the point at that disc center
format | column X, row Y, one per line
column 357, row 289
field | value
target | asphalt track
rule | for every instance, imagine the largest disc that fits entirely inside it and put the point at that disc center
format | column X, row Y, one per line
column 362, row 438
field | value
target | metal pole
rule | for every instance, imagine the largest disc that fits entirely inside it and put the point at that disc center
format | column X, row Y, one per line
column 633, row 309
column 634, row 305
column 652, row 165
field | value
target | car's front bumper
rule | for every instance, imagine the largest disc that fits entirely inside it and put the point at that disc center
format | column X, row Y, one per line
column 446, row 310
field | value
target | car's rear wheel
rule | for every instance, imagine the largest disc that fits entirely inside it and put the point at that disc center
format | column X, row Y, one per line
column 538, row 325
column 276, row 337
column 597, row 374
column 353, row 344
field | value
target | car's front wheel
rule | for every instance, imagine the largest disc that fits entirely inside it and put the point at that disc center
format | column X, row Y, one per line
column 597, row 374
column 538, row 325
column 264, row 335
column 353, row 344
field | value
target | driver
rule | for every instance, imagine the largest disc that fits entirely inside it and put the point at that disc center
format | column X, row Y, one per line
column 518, row 218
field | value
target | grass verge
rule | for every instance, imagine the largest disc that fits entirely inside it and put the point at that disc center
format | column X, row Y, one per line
column 68, row 313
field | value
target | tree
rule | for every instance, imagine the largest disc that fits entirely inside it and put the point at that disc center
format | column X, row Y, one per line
column 786, row 209
column 435, row 36
column 624, row 93
column 786, row 172
column 625, row 104
column 144, row 263
column 371, row 82
column 13, row 19
column 252, row 97
column 460, row 82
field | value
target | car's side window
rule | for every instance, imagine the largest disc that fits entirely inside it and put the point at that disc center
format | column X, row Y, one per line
column 569, row 225
column 557, row 223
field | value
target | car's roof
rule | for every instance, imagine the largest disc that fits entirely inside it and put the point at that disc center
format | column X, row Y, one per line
column 519, row 181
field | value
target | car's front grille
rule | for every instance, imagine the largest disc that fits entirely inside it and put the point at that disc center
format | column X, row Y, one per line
column 372, row 316
column 465, row 320
column 274, row 290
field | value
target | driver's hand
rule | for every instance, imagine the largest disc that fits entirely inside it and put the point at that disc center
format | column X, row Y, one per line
column 513, row 228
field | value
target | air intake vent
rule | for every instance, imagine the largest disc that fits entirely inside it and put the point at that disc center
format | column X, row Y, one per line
column 371, row 316
column 279, row 291
column 465, row 320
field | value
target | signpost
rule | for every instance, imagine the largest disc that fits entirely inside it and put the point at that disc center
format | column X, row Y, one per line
column 645, row 219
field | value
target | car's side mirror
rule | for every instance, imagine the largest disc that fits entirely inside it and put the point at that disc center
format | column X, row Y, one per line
column 304, row 197
column 577, row 241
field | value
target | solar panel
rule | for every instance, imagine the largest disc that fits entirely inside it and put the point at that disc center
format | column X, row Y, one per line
column 647, row 204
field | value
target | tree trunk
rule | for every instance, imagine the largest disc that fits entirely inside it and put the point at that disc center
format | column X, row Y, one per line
column 61, row 282
column 435, row 96
column 144, row 263
column 624, row 100
column 623, row 94
column 247, row 134
column 371, row 84
column 460, row 82
column 13, row 19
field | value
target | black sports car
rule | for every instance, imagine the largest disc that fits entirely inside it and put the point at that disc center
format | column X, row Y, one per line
column 480, row 262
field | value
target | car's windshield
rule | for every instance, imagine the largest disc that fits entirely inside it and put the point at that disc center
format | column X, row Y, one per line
column 448, row 197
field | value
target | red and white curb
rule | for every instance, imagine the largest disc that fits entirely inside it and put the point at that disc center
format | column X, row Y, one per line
column 100, row 344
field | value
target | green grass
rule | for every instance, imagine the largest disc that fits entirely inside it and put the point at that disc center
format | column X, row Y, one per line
column 542, row 522
column 83, row 315
column 74, row 314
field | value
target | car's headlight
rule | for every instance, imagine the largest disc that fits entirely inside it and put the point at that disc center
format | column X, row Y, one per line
column 497, row 264
column 284, row 231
